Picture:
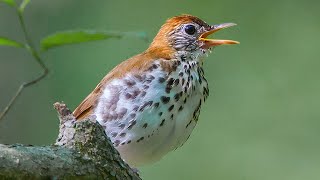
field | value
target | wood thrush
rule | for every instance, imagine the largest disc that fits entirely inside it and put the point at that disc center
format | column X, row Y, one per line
column 150, row 103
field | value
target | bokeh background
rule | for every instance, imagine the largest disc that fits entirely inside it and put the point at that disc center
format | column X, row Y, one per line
column 262, row 120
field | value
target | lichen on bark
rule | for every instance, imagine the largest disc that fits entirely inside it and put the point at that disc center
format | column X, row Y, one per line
column 82, row 151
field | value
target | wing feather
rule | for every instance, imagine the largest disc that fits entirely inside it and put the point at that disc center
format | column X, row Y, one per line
column 135, row 64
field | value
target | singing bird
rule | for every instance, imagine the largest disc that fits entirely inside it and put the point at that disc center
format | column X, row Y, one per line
column 150, row 103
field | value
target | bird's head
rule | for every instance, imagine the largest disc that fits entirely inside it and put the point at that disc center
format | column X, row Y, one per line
column 188, row 35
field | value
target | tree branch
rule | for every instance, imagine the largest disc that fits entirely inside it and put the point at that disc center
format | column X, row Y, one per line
column 82, row 150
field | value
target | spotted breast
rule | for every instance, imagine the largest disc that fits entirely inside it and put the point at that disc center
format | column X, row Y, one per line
column 150, row 113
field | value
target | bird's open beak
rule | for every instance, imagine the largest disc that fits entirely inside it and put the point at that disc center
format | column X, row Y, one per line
column 207, row 43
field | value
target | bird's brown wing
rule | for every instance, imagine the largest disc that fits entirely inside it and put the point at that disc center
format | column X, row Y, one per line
column 86, row 106
column 137, row 63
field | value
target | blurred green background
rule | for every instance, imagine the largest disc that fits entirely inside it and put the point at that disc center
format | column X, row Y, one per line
column 261, row 120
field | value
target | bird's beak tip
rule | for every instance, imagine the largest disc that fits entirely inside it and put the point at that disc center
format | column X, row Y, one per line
column 216, row 42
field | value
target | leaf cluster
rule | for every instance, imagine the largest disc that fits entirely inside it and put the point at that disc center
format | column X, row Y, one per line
column 54, row 40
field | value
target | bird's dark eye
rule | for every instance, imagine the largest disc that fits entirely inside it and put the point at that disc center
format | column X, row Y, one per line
column 190, row 29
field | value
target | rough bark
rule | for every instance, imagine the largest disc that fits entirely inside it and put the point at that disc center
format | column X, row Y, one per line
column 82, row 151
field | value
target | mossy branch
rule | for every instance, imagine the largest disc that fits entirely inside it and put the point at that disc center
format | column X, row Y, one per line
column 82, row 150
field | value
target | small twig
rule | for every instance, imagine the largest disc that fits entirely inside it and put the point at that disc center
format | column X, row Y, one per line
column 4, row 112
column 22, row 86
column 29, row 46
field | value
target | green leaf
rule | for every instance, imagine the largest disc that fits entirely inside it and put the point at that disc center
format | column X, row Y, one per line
column 23, row 5
column 8, row 42
column 73, row 37
column 141, row 35
column 9, row 2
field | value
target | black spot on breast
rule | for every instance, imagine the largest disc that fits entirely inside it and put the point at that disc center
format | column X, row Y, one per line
column 162, row 122
column 122, row 134
column 156, row 105
column 129, row 83
column 122, row 126
column 154, row 66
column 180, row 108
column 151, row 77
column 135, row 93
column 129, row 142
column 106, row 117
column 201, row 71
column 205, row 91
column 136, row 107
column 138, row 77
column 176, row 82
column 170, row 108
column 143, row 93
column 116, row 143
column 183, row 58
column 197, row 111
column 177, row 96
column 149, row 103
column 145, row 125
column 161, row 79
column 114, row 134
column 128, row 96
column 165, row 99
column 140, row 139
column 133, row 115
column 145, row 87
column 132, row 123
column 168, row 89
column 174, row 66
column 170, row 82
column 188, row 123
column 160, row 113
column 148, row 81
